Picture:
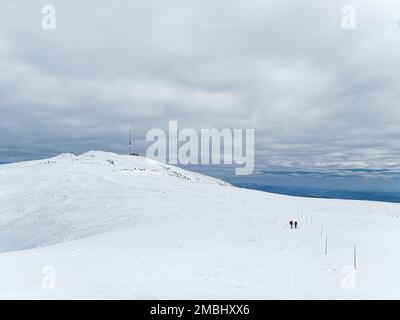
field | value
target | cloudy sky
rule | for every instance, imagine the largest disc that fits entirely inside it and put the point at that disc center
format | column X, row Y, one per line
column 317, row 95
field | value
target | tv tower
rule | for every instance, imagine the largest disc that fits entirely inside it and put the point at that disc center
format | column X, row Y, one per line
column 130, row 142
column 131, row 153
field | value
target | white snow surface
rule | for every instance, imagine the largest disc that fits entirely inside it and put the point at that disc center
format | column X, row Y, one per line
column 124, row 227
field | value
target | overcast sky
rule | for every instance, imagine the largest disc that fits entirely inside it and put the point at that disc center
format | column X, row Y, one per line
column 317, row 95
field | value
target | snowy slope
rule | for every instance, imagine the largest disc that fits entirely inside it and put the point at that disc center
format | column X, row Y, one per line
column 128, row 227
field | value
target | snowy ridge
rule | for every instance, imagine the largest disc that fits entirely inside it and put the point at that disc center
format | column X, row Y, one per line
column 128, row 227
column 69, row 197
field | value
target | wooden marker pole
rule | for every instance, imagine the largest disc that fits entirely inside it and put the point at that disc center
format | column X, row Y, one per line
column 355, row 258
column 326, row 245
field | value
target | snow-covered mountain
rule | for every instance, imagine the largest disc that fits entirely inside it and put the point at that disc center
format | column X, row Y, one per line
column 114, row 226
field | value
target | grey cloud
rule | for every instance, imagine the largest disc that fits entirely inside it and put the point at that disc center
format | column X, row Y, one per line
column 317, row 96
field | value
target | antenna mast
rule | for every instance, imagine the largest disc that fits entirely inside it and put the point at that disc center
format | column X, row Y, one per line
column 130, row 146
column 130, row 142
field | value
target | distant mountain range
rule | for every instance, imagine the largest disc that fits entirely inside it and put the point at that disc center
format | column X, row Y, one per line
column 324, row 193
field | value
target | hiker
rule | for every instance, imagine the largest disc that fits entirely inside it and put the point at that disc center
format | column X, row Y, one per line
column 291, row 224
column 295, row 224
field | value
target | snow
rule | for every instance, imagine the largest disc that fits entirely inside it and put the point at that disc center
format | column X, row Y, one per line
column 123, row 227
